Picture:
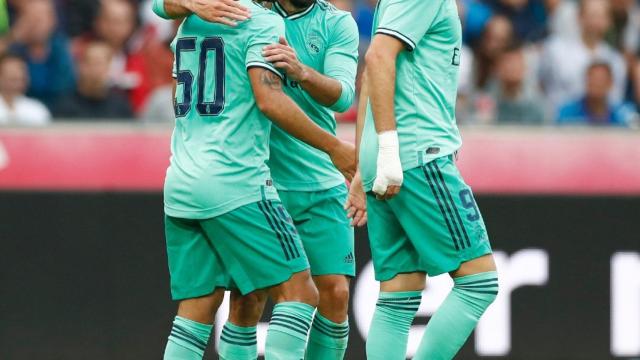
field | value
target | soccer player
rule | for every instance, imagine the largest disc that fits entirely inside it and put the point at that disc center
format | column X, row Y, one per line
column 423, row 219
column 320, row 67
column 225, row 224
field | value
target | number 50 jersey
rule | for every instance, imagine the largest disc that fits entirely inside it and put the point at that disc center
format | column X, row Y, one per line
column 220, row 143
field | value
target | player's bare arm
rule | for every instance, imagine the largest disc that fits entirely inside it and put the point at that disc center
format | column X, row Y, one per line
column 277, row 106
column 323, row 89
column 356, row 204
column 381, row 78
column 227, row 12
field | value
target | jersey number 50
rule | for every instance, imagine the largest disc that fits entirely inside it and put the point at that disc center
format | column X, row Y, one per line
column 185, row 77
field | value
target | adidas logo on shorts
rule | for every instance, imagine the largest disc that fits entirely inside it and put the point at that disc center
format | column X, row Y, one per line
column 349, row 259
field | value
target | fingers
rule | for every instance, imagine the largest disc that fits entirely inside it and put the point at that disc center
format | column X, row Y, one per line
column 223, row 21
column 283, row 41
column 237, row 8
column 276, row 58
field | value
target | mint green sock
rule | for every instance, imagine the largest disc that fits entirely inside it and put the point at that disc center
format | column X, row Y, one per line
column 288, row 331
column 327, row 340
column 188, row 340
column 453, row 322
column 238, row 343
column 389, row 331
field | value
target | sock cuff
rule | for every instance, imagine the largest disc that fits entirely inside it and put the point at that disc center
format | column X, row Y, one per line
column 479, row 278
column 330, row 333
column 344, row 324
column 292, row 318
column 203, row 331
column 407, row 295
column 241, row 329
column 190, row 334
column 294, row 306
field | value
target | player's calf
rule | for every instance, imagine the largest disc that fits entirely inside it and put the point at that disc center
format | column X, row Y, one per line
column 475, row 288
column 330, row 330
column 397, row 305
column 192, row 327
column 238, row 340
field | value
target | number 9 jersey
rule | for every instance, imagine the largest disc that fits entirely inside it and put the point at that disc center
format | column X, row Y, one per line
column 220, row 144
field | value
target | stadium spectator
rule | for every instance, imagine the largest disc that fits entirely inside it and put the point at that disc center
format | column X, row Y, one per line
column 94, row 98
column 566, row 59
column 517, row 102
column 15, row 107
column 528, row 17
column 497, row 35
column 562, row 18
column 116, row 24
column 625, row 31
column 45, row 50
column 595, row 108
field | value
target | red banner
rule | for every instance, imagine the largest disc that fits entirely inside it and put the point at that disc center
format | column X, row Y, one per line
column 493, row 160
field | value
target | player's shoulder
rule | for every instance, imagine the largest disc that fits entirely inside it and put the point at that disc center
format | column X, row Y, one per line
column 261, row 16
column 338, row 20
column 331, row 12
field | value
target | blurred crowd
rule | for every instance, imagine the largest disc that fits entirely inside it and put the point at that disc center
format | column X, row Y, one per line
column 522, row 62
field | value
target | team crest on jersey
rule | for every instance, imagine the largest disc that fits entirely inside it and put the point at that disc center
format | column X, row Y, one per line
column 314, row 43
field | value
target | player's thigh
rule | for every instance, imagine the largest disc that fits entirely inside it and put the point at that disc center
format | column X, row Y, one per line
column 391, row 251
column 259, row 245
column 438, row 211
column 325, row 231
column 194, row 265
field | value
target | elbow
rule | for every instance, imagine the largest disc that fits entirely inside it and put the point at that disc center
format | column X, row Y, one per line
column 265, row 106
column 346, row 99
column 374, row 57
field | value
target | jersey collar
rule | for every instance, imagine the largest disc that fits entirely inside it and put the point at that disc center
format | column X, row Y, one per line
column 293, row 16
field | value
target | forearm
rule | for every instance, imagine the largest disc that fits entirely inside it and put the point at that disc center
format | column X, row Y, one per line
column 279, row 108
column 381, row 84
column 289, row 117
column 362, row 110
column 323, row 89
column 172, row 9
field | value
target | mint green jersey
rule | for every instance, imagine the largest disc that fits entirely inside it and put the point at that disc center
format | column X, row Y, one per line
column 426, row 82
column 325, row 39
column 220, row 145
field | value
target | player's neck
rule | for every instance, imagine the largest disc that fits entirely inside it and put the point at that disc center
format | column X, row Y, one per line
column 290, row 8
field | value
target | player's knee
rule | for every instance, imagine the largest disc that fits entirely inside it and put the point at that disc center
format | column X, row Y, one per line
column 202, row 309
column 246, row 310
column 335, row 294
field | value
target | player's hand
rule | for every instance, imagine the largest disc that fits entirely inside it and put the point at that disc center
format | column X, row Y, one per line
column 284, row 57
column 389, row 173
column 343, row 156
column 356, row 204
column 227, row 12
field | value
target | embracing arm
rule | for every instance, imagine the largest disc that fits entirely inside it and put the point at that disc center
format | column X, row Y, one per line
column 219, row 11
column 277, row 106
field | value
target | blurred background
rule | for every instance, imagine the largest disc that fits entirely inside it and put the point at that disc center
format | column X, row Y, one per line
column 548, row 108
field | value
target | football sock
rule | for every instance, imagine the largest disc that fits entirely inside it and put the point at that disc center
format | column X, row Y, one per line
column 327, row 340
column 389, row 332
column 453, row 322
column 238, row 343
column 188, row 340
column 288, row 331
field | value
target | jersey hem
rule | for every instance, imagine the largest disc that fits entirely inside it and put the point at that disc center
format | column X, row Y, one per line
column 412, row 164
column 306, row 186
column 218, row 210
column 265, row 66
column 398, row 35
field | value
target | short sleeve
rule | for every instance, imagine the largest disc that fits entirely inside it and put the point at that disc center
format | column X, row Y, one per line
column 158, row 8
column 264, row 30
column 407, row 20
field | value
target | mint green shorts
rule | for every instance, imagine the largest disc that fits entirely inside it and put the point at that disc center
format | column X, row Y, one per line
column 324, row 228
column 433, row 225
column 252, row 247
